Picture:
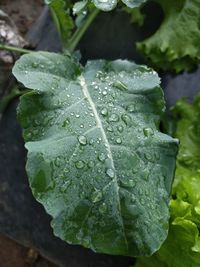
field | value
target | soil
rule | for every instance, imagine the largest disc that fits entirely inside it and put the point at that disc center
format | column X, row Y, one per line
column 13, row 254
column 22, row 12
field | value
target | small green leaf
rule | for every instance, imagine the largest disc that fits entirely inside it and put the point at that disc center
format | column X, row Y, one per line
column 96, row 158
column 63, row 20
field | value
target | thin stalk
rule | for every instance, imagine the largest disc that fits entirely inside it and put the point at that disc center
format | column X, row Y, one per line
column 80, row 31
column 5, row 101
column 14, row 49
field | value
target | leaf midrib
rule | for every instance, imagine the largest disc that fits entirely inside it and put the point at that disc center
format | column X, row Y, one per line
column 86, row 93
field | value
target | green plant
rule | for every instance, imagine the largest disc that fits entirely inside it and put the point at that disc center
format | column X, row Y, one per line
column 96, row 158
column 182, row 247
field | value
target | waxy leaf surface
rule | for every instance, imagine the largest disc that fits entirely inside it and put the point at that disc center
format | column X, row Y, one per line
column 96, row 158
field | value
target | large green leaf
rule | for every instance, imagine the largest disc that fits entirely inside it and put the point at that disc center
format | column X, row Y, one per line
column 96, row 159
column 175, row 45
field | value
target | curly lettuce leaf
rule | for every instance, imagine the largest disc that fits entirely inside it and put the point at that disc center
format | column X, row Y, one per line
column 175, row 45
column 182, row 247
column 96, row 158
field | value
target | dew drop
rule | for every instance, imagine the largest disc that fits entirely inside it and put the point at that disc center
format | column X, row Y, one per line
column 66, row 170
column 57, row 162
column 105, row 5
column 133, row 199
column 82, row 140
column 35, row 65
column 118, row 140
column 120, row 85
column 110, row 173
column 104, row 111
column 114, row 117
column 126, row 119
column 102, row 157
column 128, row 183
column 148, row 132
column 120, row 128
column 149, row 156
column 109, row 128
column 66, row 123
column 79, row 164
column 102, row 208
column 104, row 93
column 91, row 141
column 64, row 187
column 96, row 196
column 131, row 108
column 91, row 164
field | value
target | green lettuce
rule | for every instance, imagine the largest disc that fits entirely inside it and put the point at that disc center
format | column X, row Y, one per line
column 182, row 247
column 176, row 44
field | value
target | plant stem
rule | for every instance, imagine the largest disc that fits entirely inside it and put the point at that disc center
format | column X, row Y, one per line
column 15, row 92
column 14, row 49
column 80, row 31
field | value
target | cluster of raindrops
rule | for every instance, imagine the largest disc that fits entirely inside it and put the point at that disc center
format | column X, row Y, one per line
column 105, row 5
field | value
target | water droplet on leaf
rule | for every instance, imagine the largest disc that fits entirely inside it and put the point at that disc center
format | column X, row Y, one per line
column 148, row 132
column 102, row 157
column 120, row 85
column 109, row 128
column 96, row 196
column 131, row 108
column 120, row 128
column 118, row 140
column 128, row 183
column 79, row 164
column 126, row 119
column 110, row 173
column 104, row 111
column 82, row 140
column 102, row 208
column 114, row 117
column 66, row 123
column 91, row 164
